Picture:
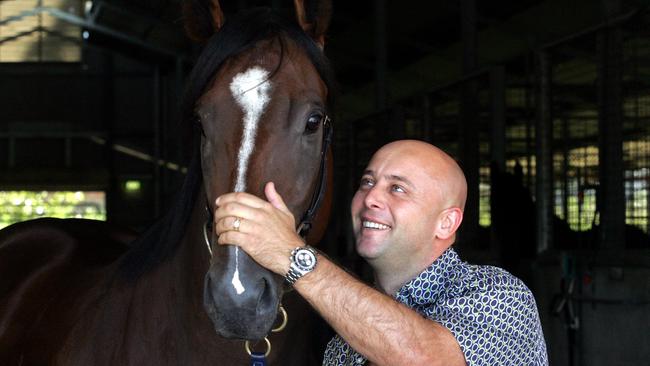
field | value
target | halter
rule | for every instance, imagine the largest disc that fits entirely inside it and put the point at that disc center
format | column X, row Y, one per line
column 306, row 222
column 316, row 199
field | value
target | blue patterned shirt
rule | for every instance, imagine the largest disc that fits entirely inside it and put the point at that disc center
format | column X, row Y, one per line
column 492, row 314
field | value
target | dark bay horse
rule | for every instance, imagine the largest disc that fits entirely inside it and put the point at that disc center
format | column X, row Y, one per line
column 80, row 292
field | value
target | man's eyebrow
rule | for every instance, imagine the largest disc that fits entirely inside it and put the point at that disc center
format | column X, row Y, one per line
column 391, row 177
column 399, row 178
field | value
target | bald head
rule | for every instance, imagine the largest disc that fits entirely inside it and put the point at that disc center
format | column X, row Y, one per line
column 444, row 173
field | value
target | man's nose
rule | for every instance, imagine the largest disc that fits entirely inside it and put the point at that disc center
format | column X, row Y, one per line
column 374, row 198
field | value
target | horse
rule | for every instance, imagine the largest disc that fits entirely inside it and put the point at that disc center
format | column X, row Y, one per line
column 81, row 292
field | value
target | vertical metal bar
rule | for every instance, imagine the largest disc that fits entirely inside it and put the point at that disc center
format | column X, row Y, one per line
column 156, row 103
column 498, row 130
column 381, row 55
column 469, row 151
column 40, row 33
column 543, row 155
column 497, row 144
column 179, row 74
column 611, row 198
column 530, row 115
column 468, row 34
column 166, row 113
column 565, row 168
column 108, row 114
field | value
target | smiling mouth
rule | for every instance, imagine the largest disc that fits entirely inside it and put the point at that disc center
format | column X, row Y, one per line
column 374, row 225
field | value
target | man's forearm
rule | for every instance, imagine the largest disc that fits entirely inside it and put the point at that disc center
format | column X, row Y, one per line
column 383, row 330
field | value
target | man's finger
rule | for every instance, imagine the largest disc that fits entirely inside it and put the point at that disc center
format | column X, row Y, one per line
column 274, row 198
column 228, row 224
column 240, row 197
column 235, row 209
column 231, row 238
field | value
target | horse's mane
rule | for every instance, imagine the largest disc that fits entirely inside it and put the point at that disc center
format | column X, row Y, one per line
column 238, row 34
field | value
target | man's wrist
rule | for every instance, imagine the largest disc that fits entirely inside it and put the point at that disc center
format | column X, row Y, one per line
column 303, row 260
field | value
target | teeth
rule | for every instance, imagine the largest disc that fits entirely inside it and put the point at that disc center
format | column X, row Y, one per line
column 375, row 225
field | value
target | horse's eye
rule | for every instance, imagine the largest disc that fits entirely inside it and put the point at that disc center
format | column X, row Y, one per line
column 313, row 122
column 196, row 121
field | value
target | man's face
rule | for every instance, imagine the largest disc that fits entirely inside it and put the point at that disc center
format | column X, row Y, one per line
column 395, row 209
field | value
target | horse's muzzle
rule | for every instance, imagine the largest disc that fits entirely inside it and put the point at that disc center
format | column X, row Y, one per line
column 240, row 297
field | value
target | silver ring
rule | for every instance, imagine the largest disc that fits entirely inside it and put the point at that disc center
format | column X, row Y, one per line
column 236, row 224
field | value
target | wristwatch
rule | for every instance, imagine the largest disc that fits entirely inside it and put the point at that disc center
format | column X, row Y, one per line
column 303, row 261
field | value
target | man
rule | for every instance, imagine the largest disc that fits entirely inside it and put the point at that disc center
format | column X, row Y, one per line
column 427, row 307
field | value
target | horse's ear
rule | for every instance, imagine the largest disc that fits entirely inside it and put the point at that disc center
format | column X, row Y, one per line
column 314, row 18
column 202, row 19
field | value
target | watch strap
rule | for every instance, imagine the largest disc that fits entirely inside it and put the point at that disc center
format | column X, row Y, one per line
column 295, row 272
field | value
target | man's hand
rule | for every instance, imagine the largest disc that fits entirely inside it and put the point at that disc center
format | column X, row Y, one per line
column 266, row 230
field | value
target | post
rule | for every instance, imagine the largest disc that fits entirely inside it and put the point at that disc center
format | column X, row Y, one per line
column 543, row 155
column 469, row 152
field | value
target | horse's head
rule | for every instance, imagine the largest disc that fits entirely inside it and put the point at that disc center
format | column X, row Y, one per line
column 262, row 117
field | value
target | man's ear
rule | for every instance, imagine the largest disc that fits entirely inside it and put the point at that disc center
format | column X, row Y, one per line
column 448, row 222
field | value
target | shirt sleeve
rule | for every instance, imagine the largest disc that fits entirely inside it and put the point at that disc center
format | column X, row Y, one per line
column 495, row 320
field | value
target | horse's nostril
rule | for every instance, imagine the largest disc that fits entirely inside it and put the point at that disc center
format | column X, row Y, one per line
column 267, row 298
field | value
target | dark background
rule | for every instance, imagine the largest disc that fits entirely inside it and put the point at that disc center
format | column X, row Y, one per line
column 545, row 104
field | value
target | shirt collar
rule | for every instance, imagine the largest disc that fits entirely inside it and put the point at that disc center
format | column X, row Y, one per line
column 432, row 282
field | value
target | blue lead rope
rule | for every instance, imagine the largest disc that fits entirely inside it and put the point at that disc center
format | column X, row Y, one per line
column 258, row 359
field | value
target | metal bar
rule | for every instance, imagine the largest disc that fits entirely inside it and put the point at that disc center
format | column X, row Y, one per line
column 20, row 16
column 497, row 145
column 139, row 154
column 40, row 29
column 469, row 123
column 543, row 154
column 611, row 199
column 49, row 134
column 156, row 139
column 498, row 137
column 381, row 56
column 608, row 23
column 19, row 35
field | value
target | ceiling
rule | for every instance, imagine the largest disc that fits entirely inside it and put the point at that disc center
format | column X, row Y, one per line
column 423, row 44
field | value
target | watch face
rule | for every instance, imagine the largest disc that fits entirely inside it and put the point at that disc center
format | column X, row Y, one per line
column 305, row 259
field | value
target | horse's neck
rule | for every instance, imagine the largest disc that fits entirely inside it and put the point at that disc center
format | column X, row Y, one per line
column 169, row 299
column 182, row 274
column 174, row 288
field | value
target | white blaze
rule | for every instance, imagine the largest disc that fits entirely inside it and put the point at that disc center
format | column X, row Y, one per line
column 251, row 90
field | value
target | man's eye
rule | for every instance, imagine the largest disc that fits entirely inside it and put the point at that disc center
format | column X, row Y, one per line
column 397, row 188
column 366, row 182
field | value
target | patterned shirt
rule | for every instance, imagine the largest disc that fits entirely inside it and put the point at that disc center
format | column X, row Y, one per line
column 492, row 314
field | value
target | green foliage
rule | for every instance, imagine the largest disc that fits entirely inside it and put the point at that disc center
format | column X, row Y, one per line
column 16, row 206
